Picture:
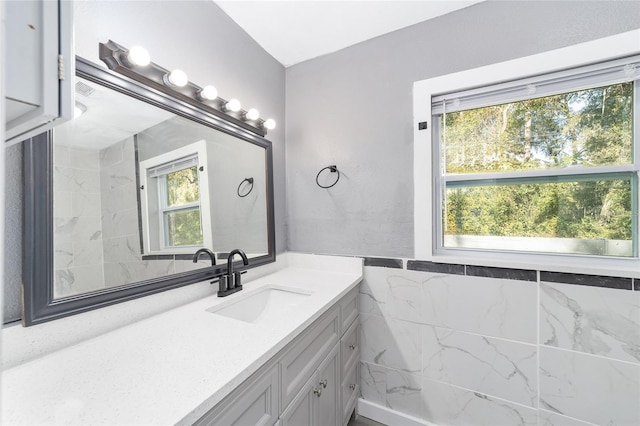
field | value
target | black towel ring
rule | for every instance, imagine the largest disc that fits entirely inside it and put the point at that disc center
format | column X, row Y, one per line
column 331, row 168
column 250, row 180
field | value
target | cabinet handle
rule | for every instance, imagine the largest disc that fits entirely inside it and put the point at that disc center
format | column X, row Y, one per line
column 318, row 392
column 323, row 383
column 352, row 386
column 352, row 347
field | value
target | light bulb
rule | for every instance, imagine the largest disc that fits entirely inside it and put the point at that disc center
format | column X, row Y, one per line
column 177, row 78
column 208, row 93
column 138, row 55
column 252, row 114
column 269, row 124
column 233, row 105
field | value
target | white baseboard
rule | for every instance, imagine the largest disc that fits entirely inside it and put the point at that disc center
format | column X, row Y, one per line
column 388, row 416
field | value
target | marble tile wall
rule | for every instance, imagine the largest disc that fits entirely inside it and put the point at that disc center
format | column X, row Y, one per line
column 76, row 212
column 461, row 345
column 122, row 255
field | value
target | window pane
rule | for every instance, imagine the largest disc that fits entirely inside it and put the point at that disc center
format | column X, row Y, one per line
column 183, row 227
column 182, row 187
column 584, row 128
column 580, row 217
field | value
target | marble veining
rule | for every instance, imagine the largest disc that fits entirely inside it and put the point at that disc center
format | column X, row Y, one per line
column 493, row 307
column 391, row 343
column 398, row 390
column 373, row 383
column 594, row 389
column 450, row 405
column 404, row 296
column 546, row 418
column 491, row 366
column 594, row 320
column 373, row 291
column 483, row 361
column 403, row 392
column 77, row 222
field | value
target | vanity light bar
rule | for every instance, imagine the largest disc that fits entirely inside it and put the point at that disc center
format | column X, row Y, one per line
column 176, row 83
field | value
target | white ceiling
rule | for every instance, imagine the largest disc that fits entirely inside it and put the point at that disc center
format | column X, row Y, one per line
column 110, row 117
column 293, row 31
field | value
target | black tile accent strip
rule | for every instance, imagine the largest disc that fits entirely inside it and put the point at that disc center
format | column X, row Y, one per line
column 425, row 266
column 589, row 280
column 636, row 284
column 505, row 273
column 183, row 256
column 158, row 257
column 383, row 262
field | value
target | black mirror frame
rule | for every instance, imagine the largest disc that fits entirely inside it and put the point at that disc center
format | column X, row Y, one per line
column 38, row 304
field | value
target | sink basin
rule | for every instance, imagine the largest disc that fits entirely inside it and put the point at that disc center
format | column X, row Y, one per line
column 263, row 304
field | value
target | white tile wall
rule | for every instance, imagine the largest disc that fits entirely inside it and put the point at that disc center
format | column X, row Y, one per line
column 594, row 320
column 546, row 418
column 598, row 390
column 502, row 368
column 450, row 405
column 489, row 306
column 463, row 350
column 77, row 221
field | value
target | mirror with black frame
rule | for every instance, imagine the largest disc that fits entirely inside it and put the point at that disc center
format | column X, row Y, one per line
column 120, row 198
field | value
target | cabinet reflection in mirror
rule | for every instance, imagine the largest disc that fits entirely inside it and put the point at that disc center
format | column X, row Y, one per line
column 139, row 182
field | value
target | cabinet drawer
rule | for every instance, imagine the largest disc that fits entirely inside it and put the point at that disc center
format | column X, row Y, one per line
column 349, row 308
column 256, row 404
column 350, row 349
column 350, row 392
column 304, row 357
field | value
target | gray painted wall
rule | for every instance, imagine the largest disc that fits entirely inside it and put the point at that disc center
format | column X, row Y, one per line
column 353, row 108
column 195, row 36
column 427, row 347
column 13, row 235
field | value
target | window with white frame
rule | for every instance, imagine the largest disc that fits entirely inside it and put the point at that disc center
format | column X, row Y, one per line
column 545, row 165
column 175, row 201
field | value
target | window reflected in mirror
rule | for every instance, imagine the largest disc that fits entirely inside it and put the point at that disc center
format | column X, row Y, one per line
column 137, row 190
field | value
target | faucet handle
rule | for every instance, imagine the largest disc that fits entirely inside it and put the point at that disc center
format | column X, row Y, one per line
column 236, row 278
column 223, row 282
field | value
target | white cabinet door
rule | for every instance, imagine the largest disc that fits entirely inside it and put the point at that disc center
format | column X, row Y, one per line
column 39, row 65
column 328, row 402
column 305, row 356
column 318, row 402
column 256, row 404
column 301, row 410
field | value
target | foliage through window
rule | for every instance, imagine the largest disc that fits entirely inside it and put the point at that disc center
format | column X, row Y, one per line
column 553, row 174
column 174, row 192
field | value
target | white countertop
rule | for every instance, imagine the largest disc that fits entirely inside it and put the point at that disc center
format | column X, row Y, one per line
column 173, row 367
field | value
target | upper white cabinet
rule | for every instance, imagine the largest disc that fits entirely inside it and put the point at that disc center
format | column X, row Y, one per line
column 39, row 66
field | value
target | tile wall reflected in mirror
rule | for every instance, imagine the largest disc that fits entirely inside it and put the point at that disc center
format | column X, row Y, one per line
column 110, row 230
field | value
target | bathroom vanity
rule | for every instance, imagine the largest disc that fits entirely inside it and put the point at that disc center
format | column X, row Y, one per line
column 312, row 381
column 282, row 351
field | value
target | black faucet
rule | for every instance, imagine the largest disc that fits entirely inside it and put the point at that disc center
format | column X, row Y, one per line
column 208, row 252
column 230, row 283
